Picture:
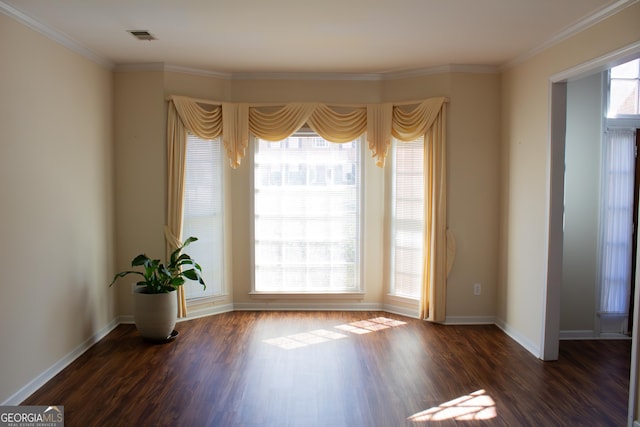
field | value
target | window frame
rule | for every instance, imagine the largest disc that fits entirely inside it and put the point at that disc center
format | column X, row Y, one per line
column 620, row 120
column 359, row 292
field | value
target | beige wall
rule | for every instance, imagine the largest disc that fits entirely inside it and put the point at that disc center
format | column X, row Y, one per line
column 56, row 192
column 525, row 137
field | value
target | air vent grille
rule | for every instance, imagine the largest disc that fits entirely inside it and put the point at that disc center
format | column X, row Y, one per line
column 142, row 34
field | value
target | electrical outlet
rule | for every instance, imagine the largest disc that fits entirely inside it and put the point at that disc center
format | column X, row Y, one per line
column 477, row 288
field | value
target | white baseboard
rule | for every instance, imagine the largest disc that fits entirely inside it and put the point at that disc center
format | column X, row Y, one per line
column 523, row 341
column 54, row 369
column 126, row 319
column 207, row 311
column 402, row 311
column 577, row 335
column 307, row 306
column 469, row 320
column 591, row 335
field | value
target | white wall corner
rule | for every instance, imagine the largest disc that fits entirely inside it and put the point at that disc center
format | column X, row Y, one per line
column 520, row 339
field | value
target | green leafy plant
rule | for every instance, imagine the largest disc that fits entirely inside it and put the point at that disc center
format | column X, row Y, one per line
column 159, row 277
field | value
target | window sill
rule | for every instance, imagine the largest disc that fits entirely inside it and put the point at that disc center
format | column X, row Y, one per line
column 307, row 295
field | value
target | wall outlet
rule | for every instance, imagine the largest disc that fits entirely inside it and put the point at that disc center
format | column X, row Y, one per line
column 477, row 288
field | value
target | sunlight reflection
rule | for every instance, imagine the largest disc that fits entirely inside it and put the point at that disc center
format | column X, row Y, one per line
column 322, row 335
column 304, row 339
column 474, row 406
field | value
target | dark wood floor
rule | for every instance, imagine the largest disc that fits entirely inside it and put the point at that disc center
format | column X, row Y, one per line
column 338, row 369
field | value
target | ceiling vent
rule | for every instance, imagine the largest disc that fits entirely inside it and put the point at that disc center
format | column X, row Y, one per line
column 142, row 34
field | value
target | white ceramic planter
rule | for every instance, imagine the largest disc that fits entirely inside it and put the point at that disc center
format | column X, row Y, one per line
column 155, row 314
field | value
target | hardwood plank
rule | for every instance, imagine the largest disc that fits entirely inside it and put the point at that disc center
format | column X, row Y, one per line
column 338, row 369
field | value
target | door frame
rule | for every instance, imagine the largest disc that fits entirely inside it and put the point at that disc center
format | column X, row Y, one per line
column 549, row 345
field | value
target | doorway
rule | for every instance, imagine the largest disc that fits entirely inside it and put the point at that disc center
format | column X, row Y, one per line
column 558, row 97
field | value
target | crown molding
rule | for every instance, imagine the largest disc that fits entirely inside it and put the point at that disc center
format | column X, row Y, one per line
column 55, row 35
column 133, row 68
column 307, row 76
column 451, row 68
column 397, row 75
column 198, row 72
column 572, row 30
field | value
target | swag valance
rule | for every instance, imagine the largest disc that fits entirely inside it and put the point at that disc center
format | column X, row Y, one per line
column 337, row 123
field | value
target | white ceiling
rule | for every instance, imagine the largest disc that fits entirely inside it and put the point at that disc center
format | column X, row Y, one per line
column 304, row 36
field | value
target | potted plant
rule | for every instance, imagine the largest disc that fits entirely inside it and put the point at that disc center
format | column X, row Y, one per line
column 155, row 303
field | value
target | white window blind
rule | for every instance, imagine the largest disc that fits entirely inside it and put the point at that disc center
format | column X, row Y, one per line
column 203, row 214
column 307, row 215
column 407, row 224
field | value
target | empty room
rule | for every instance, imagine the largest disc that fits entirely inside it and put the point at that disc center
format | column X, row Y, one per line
column 403, row 213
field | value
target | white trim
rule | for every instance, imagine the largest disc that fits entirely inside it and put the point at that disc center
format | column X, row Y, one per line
column 470, row 320
column 307, row 295
column 549, row 345
column 308, row 76
column 40, row 380
column 572, row 30
column 599, row 64
column 451, row 68
column 55, row 35
column 198, row 72
column 206, row 311
column 520, row 339
column 132, row 68
column 636, row 423
column 635, row 328
column 402, row 311
column 578, row 335
column 307, row 306
column 403, row 300
column 394, row 75
column 126, row 319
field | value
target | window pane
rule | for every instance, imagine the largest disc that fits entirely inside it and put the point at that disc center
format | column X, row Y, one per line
column 628, row 70
column 202, row 216
column 624, row 97
column 306, row 215
column 624, row 89
column 407, row 218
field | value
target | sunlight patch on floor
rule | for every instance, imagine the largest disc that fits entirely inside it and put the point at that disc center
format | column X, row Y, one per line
column 319, row 336
column 474, row 406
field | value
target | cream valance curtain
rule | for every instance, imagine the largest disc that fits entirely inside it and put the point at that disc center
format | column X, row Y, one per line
column 336, row 123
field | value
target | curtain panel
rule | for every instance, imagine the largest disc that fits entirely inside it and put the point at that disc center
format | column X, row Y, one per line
column 336, row 123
